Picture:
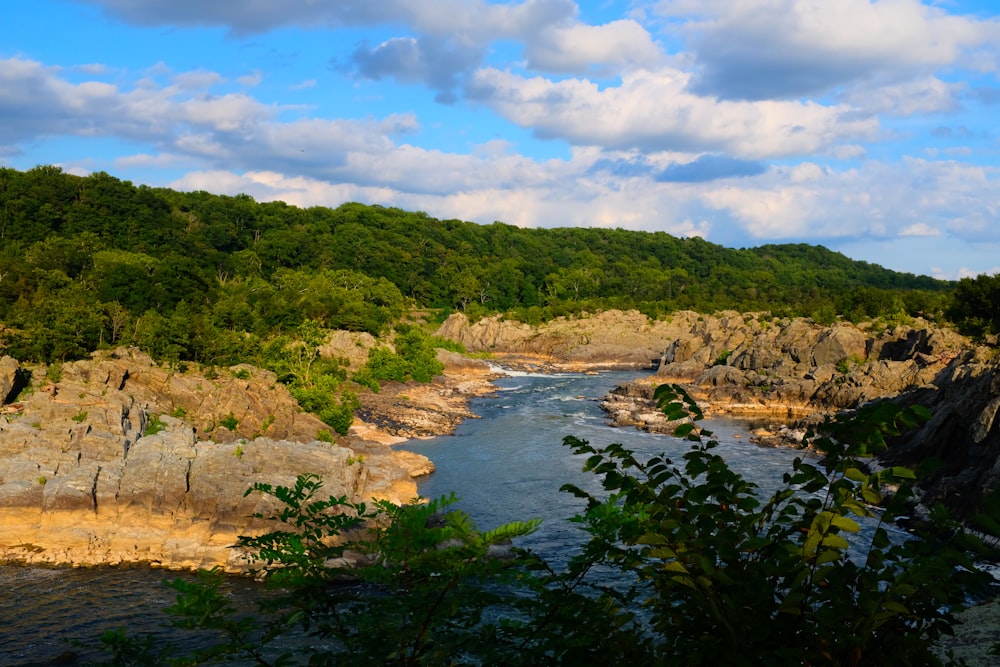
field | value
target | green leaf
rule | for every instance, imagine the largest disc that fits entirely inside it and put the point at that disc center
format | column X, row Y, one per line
column 847, row 524
column 856, row 475
column 683, row 430
column 835, row 542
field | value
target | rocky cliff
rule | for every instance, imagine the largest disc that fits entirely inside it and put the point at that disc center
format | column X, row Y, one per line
column 612, row 339
column 748, row 364
column 784, row 372
column 121, row 460
column 958, row 450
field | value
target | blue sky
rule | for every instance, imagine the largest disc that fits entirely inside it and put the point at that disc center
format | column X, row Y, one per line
column 866, row 126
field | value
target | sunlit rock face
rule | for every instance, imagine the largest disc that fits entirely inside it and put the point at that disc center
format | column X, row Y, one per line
column 121, row 460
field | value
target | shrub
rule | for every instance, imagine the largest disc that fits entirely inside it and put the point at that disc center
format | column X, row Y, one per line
column 154, row 425
column 710, row 571
column 229, row 422
column 722, row 358
column 707, row 549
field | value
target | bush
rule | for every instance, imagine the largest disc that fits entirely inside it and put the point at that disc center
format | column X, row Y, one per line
column 415, row 358
column 154, row 425
column 733, row 578
column 975, row 306
column 710, row 571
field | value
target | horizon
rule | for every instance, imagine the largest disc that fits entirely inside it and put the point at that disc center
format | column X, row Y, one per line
column 865, row 127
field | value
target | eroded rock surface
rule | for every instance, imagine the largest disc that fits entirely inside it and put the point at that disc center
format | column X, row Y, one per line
column 121, row 460
column 611, row 339
column 749, row 365
column 788, row 372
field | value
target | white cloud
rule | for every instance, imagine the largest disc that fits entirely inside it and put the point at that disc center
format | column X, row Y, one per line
column 966, row 272
column 919, row 229
column 162, row 160
column 251, row 80
column 848, row 151
column 94, row 69
column 196, row 80
column 756, row 49
column 919, row 96
column 653, row 110
column 469, row 17
column 879, row 200
column 583, row 48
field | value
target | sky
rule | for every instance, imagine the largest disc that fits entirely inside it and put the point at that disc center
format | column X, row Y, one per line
column 865, row 126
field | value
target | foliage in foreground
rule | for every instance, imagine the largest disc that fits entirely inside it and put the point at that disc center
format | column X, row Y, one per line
column 684, row 563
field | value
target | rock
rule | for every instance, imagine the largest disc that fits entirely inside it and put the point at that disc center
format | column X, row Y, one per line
column 962, row 439
column 839, row 343
column 9, row 379
column 124, row 461
column 796, row 371
column 610, row 339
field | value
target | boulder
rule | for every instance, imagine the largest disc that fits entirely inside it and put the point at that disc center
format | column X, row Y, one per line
column 839, row 343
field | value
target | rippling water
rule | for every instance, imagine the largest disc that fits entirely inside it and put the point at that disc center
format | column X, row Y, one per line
column 506, row 466
column 510, row 464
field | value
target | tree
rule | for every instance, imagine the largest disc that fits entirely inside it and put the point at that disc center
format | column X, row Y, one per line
column 975, row 305
column 712, row 572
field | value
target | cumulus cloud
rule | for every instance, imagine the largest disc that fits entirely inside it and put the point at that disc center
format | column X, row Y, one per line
column 37, row 102
column 581, row 49
column 920, row 229
column 966, row 272
column 766, row 49
column 468, row 17
column 447, row 39
column 919, row 96
column 908, row 198
column 653, row 110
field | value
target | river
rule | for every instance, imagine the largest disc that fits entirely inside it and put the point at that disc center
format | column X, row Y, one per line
column 507, row 465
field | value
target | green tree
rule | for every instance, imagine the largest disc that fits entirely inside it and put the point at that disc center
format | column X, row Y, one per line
column 312, row 378
column 975, row 305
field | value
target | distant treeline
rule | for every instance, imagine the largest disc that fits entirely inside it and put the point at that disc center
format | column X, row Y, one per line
column 96, row 261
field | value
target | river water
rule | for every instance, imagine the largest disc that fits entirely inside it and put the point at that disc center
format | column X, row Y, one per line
column 508, row 465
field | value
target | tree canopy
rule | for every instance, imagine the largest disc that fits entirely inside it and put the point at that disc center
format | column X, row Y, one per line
column 91, row 261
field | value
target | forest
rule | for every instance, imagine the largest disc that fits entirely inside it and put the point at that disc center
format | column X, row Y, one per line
column 95, row 261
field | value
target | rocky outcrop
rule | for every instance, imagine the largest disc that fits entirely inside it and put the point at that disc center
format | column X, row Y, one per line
column 789, row 372
column 121, row 460
column 415, row 410
column 750, row 364
column 611, row 339
column 958, row 450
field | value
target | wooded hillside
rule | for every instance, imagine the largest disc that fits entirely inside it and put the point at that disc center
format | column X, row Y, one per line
column 92, row 261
